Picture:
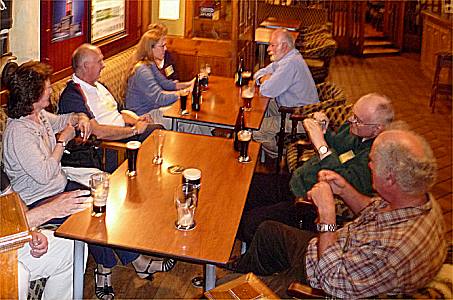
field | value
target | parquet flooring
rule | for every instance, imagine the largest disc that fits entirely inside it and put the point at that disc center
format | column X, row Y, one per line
column 398, row 77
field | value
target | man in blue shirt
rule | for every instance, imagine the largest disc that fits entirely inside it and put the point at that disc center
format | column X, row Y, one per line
column 288, row 81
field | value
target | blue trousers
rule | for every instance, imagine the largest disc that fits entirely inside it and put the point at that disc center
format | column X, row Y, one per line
column 101, row 254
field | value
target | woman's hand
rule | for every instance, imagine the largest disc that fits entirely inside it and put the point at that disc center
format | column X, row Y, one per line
column 67, row 134
column 66, row 204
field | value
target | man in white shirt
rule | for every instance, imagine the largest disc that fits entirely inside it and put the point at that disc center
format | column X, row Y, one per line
column 85, row 94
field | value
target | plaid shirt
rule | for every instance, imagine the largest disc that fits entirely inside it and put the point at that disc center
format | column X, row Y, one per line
column 381, row 252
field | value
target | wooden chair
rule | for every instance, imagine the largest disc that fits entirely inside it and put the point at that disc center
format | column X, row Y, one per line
column 444, row 61
column 119, row 147
column 329, row 95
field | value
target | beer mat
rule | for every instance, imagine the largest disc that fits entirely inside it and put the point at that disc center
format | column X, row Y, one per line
column 245, row 291
column 176, row 169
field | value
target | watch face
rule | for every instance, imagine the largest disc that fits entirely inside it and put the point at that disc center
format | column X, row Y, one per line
column 323, row 150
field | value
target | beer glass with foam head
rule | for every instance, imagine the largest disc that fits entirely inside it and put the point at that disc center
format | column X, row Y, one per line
column 244, row 138
column 132, row 148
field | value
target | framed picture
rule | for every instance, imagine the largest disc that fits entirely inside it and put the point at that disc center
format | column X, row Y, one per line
column 107, row 19
column 67, row 19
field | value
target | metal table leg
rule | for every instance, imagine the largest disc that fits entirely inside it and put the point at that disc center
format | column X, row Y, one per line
column 79, row 260
column 209, row 274
column 173, row 124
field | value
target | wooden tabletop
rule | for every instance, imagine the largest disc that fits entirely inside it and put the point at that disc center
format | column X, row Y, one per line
column 220, row 105
column 141, row 212
column 263, row 35
column 290, row 24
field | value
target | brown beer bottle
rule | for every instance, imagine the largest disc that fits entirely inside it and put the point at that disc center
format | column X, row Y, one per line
column 238, row 75
column 196, row 94
column 240, row 125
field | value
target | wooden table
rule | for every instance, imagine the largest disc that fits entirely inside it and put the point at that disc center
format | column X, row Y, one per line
column 141, row 213
column 289, row 24
column 220, row 107
column 262, row 38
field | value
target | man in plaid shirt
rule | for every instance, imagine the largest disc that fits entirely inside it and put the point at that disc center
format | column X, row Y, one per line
column 396, row 243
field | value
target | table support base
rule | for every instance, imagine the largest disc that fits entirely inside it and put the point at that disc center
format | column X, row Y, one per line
column 210, row 278
column 78, row 269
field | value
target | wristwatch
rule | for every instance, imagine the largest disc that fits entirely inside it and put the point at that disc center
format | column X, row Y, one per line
column 134, row 130
column 326, row 227
column 63, row 143
column 323, row 150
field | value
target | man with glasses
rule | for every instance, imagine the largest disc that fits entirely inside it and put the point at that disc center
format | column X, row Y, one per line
column 395, row 245
column 288, row 81
column 345, row 152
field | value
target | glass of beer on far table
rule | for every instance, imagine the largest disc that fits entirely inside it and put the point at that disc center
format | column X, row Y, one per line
column 244, row 138
column 247, row 95
column 99, row 184
column 132, row 153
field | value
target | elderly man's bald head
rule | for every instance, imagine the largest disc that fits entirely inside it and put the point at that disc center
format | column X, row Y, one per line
column 379, row 108
column 283, row 36
column 87, row 63
column 83, row 53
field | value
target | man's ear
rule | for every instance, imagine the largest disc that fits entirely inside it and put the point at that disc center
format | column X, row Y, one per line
column 390, row 179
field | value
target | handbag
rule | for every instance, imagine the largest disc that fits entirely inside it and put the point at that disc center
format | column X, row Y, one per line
column 79, row 153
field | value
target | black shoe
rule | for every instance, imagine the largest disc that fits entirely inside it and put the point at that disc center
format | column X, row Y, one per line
column 166, row 265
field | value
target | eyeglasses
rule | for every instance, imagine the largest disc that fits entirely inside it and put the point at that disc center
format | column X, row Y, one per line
column 160, row 46
column 354, row 120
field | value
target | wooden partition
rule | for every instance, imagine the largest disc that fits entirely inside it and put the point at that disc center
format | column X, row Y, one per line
column 219, row 40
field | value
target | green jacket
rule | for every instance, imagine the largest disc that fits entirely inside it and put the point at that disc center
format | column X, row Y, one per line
column 355, row 170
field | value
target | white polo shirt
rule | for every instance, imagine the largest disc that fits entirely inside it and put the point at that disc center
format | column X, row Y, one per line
column 101, row 103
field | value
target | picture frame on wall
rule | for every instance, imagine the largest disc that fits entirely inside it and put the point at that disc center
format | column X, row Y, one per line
column 67, row 19
column 107, row 19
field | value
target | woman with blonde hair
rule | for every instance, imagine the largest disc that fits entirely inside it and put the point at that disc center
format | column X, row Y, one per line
column 147, row 89
column 166, row 65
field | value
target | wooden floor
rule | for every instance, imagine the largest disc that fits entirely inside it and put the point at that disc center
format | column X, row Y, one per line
column 398, row 77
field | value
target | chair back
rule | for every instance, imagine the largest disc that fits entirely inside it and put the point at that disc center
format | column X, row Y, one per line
column 338, row 115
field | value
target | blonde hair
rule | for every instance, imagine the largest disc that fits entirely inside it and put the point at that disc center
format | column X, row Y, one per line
column 144, row 52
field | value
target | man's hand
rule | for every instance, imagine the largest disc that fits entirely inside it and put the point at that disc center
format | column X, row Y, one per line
column 322, row 197
column 84, row 126
column 264, row 78
column 146, row 118
column 38, row 244
column 321, row 119
column 315, row 133
column 141, row 126
column 66, row 204
column 337, row 183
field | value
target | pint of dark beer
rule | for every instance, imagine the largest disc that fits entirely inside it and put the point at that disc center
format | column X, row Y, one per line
column 246, row 76
column 183, row 101
column 192, row 176
column 99, row 185
column 244, row 137
column 132, row 153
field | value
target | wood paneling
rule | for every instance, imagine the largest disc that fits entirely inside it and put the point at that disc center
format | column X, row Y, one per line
column 437, row 36
column 58, row 54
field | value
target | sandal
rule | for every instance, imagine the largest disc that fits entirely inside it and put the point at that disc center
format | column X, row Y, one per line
column 103, row 292
column 166, row 265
